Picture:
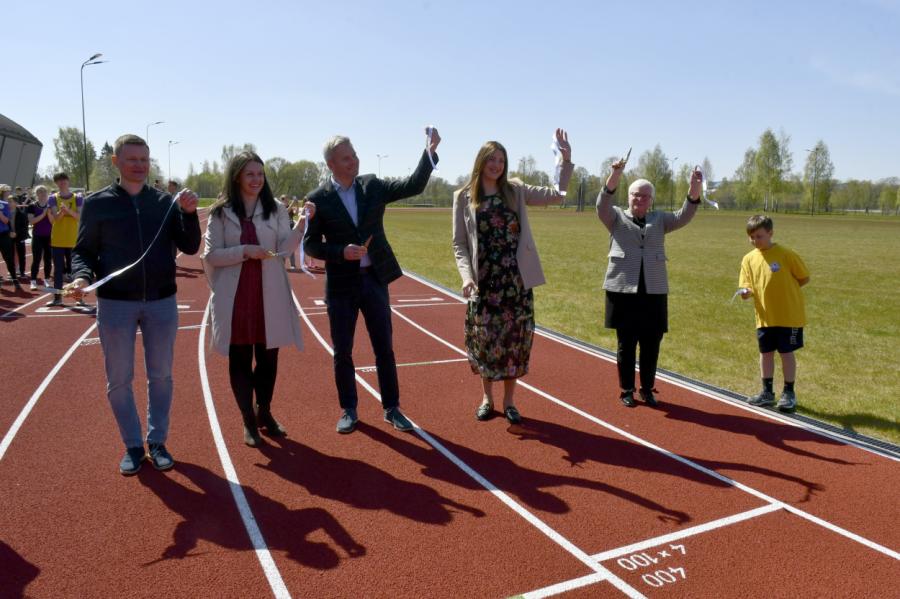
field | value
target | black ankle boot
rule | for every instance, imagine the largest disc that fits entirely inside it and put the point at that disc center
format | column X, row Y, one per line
column 265, row 420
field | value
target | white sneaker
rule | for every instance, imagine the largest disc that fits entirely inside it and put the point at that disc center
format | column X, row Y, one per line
column 34, row 285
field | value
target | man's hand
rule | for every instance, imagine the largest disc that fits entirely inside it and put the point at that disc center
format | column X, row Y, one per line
column 469, row 289
column 187, row 200
column 355, row 252
column 745, row 293
column 307, row 212
column 435, row 139
column 74, row 289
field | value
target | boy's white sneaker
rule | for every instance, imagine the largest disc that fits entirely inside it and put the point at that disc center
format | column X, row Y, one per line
column 762, row 399
column 787, row 402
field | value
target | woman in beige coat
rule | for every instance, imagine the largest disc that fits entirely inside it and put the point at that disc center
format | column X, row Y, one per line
column 499, row 265
column 251, row 308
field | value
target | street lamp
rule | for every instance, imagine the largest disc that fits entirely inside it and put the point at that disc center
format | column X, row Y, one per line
column 812, row 203
column 171, row 143
column 147, row 139
column 88, row 62
column 147, row 131
column 380, row 156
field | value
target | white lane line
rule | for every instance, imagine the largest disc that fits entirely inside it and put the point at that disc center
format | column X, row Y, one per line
column 542, row 526
column 684, row 385
column 676, row 457
column 20, row 419
column 687, row 532
column 23, row 306
column 429, row 363
column 563, row 587
column 240, row 499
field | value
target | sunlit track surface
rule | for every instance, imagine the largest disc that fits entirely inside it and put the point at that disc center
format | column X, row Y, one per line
column 698, row 498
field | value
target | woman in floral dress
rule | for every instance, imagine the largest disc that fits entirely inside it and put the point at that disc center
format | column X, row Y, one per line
column 499, row 265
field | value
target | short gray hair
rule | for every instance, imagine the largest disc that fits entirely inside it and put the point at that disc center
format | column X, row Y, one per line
column 41, row 188
column 332, row 144
column 643, row 183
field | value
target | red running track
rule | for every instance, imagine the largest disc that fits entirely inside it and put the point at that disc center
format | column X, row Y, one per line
column 698, row 498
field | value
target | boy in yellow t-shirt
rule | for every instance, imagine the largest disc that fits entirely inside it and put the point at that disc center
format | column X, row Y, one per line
column 772, row 275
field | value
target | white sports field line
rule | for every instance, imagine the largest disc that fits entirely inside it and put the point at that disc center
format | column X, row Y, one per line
column 634, row 438
column 270, row 569
column 26, row 410
column 23, row 306
column 600, row 571
column 685, row 385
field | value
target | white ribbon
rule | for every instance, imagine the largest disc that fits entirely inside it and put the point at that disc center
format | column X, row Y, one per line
column 740, row 291
column 115, row 274
column 429, row 138
column 302, row 250
column 712, row 203
column 557, row 171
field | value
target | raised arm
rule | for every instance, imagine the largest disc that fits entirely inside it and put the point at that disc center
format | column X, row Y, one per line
column 605, row 200
column 672, row 221
column 415, row 183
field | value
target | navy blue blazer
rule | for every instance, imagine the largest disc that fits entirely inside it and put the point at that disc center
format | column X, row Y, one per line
column 332, row 229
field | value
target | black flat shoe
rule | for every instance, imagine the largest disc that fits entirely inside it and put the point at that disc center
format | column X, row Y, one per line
column 627, row 398
column 485, row 411
column 512, row 414
column 647, row 396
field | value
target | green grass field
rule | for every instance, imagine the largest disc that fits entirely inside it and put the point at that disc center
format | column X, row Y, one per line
column 848, row 372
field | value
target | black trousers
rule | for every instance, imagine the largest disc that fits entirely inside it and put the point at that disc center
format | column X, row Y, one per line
column 62, row 265
column 19, row 249
column 6, row 250
column 373, row 300
column 40, row 252
column 246, row 380
column 628, row 340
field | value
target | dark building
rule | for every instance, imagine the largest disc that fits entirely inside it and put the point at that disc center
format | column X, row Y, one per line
column 20, row 152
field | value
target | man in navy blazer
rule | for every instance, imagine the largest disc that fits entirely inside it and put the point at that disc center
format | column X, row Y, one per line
column 348, row 234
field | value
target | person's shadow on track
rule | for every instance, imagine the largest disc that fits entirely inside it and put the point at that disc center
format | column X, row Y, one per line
column 210, row 515
column 358, row 483
column 528, row 485
column 773, row 434
column 581, row 447
column 16, row 573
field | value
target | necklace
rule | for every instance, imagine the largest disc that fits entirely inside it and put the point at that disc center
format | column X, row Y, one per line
column 248, row 216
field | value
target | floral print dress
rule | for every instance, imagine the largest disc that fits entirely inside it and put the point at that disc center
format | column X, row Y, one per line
column 500, row 319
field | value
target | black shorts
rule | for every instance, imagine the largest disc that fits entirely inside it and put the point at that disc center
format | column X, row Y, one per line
column 784, row 339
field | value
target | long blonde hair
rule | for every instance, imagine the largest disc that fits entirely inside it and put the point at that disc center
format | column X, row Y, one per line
column 474, row 188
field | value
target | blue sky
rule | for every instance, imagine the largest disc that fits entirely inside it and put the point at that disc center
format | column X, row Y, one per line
column 698, row 78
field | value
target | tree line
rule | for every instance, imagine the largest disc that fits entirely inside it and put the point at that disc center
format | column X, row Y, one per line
column 765, row 180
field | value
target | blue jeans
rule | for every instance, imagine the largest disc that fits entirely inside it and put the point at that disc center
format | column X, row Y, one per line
column 118, row 321
column 372, row 299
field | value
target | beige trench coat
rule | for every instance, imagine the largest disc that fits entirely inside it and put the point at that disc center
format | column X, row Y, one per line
column 465, row 233
column 222, row 258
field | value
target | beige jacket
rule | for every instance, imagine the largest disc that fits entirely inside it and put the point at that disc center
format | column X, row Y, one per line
column 222, row 258
column 465, row 233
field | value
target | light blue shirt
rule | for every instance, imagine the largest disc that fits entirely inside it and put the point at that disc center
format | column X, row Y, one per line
column 348, row 198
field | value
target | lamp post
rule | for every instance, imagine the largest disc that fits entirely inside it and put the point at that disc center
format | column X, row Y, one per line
column 171, row 143
column 147, row 131
column 147, row 139
column 812, row 202
column 88, row 62
column 380, row 156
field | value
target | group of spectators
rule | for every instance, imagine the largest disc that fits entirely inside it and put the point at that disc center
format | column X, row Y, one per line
column 50, row 221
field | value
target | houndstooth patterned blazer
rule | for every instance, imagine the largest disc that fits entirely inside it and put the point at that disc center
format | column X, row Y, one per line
column 629, row 246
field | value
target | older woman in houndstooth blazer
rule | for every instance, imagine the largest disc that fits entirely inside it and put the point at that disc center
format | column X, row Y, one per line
column 636, row 281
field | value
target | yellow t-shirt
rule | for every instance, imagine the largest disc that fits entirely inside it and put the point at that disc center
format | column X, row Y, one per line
column 65, row 228
column 773, row 275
